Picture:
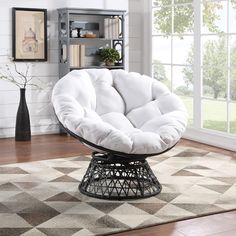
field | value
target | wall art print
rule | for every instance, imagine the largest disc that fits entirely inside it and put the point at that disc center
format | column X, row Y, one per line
column 29, row 42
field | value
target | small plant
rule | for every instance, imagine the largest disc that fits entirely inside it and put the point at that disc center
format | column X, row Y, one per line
column 109, row 55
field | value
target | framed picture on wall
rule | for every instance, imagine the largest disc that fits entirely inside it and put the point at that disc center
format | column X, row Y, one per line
column 29, row 34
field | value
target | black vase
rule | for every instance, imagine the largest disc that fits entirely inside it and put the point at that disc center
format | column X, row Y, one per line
column 22, row 131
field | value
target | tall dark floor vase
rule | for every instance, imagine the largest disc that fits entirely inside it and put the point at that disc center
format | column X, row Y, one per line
column 22, row 131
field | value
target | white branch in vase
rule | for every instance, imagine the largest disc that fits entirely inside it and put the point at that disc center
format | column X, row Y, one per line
column 6, row 75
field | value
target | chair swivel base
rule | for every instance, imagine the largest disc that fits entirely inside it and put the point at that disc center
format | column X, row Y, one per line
column 117, row 178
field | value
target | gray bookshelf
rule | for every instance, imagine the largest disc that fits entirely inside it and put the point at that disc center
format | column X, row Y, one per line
column 89, row 30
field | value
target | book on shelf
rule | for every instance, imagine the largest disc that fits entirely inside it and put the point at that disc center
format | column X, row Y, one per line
column 82, row 55
column 64, row 53
column 106, row 33
column 111, row 28
column 77, row 55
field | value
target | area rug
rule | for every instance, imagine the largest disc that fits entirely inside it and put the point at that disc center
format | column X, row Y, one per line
column 42, row 198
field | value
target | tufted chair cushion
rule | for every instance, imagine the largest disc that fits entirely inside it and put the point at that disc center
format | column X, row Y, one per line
column 120, row 111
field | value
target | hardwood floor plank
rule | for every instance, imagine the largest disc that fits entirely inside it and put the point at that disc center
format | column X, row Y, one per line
column 227, row 233
column 40, row 148
column 209, row 225
column 160, row 230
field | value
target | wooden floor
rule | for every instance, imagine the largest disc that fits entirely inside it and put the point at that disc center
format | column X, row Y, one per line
column 57, row 146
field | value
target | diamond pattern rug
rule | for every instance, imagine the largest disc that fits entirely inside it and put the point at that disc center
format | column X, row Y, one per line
column 42, row 198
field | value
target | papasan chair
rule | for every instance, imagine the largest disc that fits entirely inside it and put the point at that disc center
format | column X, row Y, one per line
column 124, row 117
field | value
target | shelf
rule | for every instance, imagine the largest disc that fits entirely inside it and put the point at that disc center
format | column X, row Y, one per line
column 97, row 67
column 84, row 51
column 81, row 39
column 102, row 39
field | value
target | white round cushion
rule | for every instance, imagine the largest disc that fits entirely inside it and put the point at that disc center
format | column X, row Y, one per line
column 118, row 110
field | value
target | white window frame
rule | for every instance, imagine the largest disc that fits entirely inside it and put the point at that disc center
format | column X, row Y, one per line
column 196, row 133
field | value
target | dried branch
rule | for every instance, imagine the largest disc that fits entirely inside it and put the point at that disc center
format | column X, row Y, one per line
column 7, row 75
column 35, row 85
column 10, row 80
column 21, row 74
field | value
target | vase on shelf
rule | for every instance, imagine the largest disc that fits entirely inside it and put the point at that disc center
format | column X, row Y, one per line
column 22, row 130
column 109, row 63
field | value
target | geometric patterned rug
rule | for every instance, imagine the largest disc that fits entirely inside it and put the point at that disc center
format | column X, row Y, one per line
column 42, row 198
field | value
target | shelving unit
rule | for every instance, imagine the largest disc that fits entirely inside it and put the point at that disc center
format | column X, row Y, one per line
column 93, row 29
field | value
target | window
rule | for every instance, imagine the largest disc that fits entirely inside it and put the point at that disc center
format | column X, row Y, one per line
column 172, row 40
column 194, row 54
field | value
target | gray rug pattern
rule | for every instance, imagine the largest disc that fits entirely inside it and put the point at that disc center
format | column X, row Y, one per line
column 42, row 198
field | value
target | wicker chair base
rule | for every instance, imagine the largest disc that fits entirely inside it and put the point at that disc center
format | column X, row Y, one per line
column 115, row 178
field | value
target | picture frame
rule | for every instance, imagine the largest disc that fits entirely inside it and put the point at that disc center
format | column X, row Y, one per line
column 29, row 34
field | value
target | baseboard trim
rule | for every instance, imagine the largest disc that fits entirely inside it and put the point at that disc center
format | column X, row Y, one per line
column 211, row 138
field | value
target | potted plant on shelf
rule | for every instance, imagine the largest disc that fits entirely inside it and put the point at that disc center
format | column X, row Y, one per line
column 109, row 56
column 21, row 80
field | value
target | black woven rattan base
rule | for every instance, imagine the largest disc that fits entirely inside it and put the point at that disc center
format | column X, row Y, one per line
column 117, row 178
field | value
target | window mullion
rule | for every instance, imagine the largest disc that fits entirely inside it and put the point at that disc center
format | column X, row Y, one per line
column 172, row 31
column 228, row 71
column 197, row 78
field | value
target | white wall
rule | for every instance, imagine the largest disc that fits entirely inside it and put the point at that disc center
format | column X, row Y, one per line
column 135, row 35
column 41, row 113
column 139, row 40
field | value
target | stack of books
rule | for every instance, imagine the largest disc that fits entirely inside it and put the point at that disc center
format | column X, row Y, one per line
column 77, row 55
column 111, row 28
